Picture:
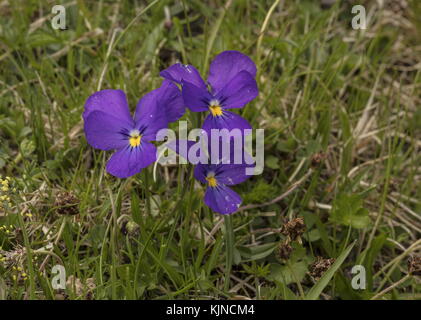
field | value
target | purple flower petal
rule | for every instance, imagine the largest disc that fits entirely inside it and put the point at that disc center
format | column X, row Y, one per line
column 181, row 147
column 231, row 167
column 239, row 91
column 226, row 66
column 146, row 105
column 106, row 132
column 222, row 199
column 231, row 174
column 179, row 72
column 129, row 161
column 200, row 172
column 150, row 116
column 109, row 101
column 150, row 126
column 196, row 98
column 228, row 120
column 166, row 99
column 171, row 100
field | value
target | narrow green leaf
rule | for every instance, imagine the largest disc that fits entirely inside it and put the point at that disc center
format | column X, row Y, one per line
column 317, row 289
column 135, row 206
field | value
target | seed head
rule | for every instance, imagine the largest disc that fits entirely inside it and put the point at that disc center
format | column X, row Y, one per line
column 294, row 229
column 320, row 266
column 283, row 251
column 67, row 203
column 317, row 159
column 414, row 265
column 130, row 228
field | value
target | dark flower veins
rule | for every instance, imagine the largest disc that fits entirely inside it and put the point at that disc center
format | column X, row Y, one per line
column 217, row 177
column 108, row 125
column 230, row 85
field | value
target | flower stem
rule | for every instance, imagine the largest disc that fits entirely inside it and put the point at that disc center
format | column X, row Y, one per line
column 147, row 192
column 381, row 294
column 229, row 237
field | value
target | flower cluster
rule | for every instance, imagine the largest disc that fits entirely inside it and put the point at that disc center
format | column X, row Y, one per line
column 15, row 261
column 5, row 189
column 217, row 175
column 231, row 84
column 8, row 230
column 19, row 274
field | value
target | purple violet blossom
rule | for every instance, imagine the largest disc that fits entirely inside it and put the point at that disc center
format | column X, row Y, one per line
column 217, row 177
column 109, row 125
column 230, row 84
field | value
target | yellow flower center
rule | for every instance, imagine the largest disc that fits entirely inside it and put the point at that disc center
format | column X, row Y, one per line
column 215, row 108
column 211, row 181
column 135, row 138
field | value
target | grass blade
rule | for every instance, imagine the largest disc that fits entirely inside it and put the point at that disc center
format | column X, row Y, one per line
column 317, row 289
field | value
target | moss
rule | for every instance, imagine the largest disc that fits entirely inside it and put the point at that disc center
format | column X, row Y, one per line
column 261, row 192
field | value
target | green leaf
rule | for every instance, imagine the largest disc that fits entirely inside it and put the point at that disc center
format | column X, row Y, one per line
column 372, row 253
column 286, row 146
column 135, row 206
column 348, row 210
column 287, row 275
column 236, row 256
column 27, row 147
column 257, row 252
column 312, row 235
column 317, row 289
column 96, row 235
column 287, row 293
column 272, row 162
column 42, row 38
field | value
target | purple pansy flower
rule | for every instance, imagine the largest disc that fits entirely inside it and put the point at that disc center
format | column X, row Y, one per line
column 110, row 126
column 218, row 177
column 230, row 84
